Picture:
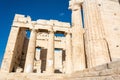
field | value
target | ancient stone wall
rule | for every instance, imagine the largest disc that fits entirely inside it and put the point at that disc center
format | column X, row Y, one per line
column 110, row 15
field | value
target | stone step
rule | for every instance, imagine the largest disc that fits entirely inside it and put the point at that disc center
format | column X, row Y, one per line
column 109, row 71
column 31, row 76
column 95, row 78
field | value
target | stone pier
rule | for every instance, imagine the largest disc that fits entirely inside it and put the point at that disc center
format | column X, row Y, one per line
column 96, row 46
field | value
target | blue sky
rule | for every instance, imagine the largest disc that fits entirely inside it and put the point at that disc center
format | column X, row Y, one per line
column 37, row 9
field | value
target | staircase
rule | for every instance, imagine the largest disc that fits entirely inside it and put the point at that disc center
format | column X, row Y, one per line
column 109, row 71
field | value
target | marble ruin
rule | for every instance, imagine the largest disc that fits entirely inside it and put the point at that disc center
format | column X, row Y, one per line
column 92, row 40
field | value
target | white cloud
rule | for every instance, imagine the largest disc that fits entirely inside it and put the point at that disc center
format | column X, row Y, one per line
column 61, row 14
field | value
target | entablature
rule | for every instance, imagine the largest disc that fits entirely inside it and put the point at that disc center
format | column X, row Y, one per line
column 26, row 22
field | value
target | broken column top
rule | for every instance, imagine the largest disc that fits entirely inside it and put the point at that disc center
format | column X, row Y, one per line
column 75, row 4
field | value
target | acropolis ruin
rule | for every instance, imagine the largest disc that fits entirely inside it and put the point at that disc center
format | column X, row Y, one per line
column 92, row 40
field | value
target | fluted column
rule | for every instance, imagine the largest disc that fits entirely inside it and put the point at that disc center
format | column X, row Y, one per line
column 29, row 63
column 50, row 53
column 68, row 53
column 78, row 55
column 96, row 46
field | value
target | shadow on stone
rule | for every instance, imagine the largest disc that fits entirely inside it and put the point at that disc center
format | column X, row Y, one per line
column 57, row 71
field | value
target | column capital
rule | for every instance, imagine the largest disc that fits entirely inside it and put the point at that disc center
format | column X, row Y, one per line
column 67, row 32
column 34, row 30
column 51, row 31
column 75, row 5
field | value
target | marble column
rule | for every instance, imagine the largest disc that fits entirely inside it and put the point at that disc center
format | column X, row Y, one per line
column 78, row 54
column 50, row 53
column 7, row 63
column 30, row 52
column 96, row 46
column 68, row 53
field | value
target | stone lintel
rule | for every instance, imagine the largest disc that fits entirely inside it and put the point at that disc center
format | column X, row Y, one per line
column 53, row 23
column 21, row 25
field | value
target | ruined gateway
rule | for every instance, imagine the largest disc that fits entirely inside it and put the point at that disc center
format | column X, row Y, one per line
column 89, row 49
